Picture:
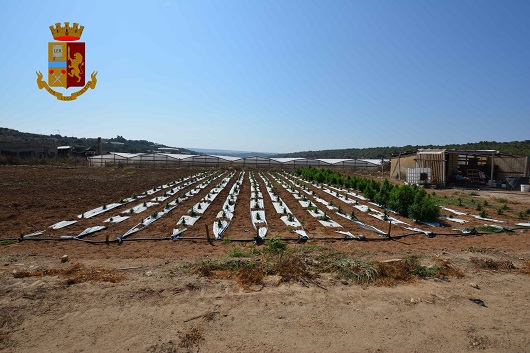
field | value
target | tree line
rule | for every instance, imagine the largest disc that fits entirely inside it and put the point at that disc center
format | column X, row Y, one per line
column 515, row 147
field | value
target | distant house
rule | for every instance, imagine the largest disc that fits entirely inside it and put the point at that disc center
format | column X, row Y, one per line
column 63, row 151
column 448, row 167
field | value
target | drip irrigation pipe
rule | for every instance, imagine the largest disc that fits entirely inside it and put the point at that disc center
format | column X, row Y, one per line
column 386, row 238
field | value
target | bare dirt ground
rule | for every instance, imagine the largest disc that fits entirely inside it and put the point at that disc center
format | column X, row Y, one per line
column 145, row 296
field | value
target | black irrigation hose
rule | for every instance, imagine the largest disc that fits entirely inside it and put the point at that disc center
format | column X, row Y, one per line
column 300, row 240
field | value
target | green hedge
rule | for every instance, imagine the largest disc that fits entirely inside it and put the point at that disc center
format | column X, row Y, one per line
column 406, row 200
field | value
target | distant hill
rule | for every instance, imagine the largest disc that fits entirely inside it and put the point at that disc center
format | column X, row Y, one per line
column 241, row 154
column 516, row 147
column 117, row 144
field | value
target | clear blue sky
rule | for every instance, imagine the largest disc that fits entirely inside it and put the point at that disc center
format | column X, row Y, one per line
column 277, row 76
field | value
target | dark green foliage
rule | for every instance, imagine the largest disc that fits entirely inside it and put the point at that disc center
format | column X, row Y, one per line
column 423, row 207
column 275, row 245
column 406, row 200
column 383, row 195
column 401, row 198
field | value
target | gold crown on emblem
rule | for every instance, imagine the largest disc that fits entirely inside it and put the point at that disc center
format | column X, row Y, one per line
column 66, row 33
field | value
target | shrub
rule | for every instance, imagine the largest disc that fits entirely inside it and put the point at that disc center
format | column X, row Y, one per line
column 423, row 208
column 275, row 245
column 401, row 198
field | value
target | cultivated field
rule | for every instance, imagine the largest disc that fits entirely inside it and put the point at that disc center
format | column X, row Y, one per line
column 148, row 280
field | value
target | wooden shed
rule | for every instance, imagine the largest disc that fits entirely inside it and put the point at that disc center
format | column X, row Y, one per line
column 460, row 166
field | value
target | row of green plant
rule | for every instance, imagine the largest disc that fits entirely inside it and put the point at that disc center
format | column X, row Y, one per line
column 407, row 200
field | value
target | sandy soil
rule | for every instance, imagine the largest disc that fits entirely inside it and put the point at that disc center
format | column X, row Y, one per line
column 159, row 306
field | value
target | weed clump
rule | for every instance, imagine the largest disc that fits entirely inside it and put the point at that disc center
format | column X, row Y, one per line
column 275, row 246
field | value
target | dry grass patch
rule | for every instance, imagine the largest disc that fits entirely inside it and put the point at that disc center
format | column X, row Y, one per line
column 490, row 264
column 248, row 276
column 304, row 265
column 447, row 269
column 525, row 268
column 392, row 273
column 193, row 337
column 76, row 273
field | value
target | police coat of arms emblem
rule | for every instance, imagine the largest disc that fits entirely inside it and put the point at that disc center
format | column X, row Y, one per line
column 66, row 62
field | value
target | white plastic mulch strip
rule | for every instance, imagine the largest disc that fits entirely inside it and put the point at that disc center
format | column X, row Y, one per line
column 200, row 207
column 288, row 218
column 254, row 193
column 177, row 201
column 152, row 218
column 62, row 224
column 346, row 200
column 426, row 232
column 226, row 214
column 132, row 199
column 219, row 227
column 140, row 207
column 330, row 223
column 177, row 232
column 188, row 220
column 257, row 216
column 523, row 224
column 360, row 197
column 262, row 232
column 368, row 227
column 40, row 232
column 99, row 210
column 291, row 223
column 160, row 199
column 453, row 211
column 381, row 216
column 305, row 204
column 143, row 206
column 452, row 219
column 362, row 208
column 146, row 222
column 257, row 204
column 347, row 234
column 279, row 207
column 227, row 206
column 90, row 230
column 116, row 219
column 488, row 219
column 302, row 233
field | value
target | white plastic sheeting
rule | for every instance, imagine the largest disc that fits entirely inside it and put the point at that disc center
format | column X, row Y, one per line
column 227, row 212
column 62, row 224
